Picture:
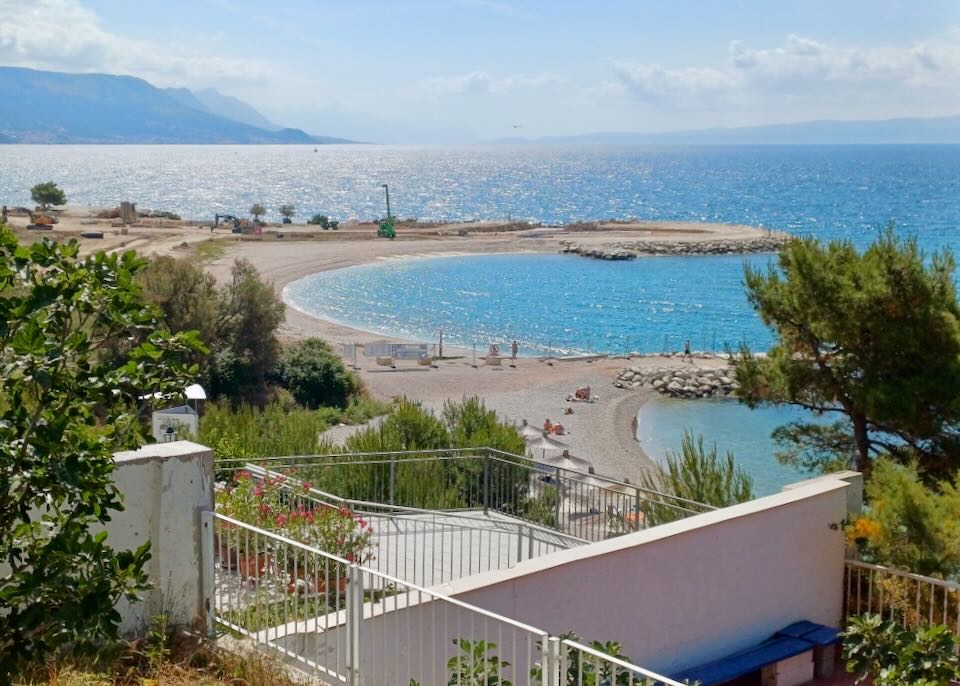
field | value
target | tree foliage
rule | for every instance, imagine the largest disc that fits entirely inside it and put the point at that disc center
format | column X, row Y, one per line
column 236, row 321
column 257, row 210
column 891, row 655
column 871, row 338
column 245, row 349
column 909, row 525
column 47, row 194
column 63, row 412
column 288, row 211
column 315, row 375
column 696, row 474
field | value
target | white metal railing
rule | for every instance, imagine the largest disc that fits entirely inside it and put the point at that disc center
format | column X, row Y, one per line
column 582, row 665
column 587, row 506
column 429, row 547
column 344, row 623
column 900, row 596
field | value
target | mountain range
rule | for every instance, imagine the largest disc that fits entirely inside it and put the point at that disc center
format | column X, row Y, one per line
column 55, row 107
column 934, row 130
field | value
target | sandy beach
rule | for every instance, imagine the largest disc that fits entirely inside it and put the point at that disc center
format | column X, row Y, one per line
column 531, row 389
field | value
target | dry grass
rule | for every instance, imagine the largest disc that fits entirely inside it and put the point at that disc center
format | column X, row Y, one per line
column 190, row 662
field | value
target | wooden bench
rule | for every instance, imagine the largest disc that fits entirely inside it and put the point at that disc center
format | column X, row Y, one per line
column 794, row 655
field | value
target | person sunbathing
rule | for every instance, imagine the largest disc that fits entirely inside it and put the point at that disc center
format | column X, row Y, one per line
column 548, row 426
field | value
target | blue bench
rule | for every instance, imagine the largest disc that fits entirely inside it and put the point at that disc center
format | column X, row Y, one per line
column 790, row 641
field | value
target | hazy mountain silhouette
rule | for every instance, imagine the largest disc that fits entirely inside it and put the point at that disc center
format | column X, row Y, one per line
column 54, row 107
column 826, row 132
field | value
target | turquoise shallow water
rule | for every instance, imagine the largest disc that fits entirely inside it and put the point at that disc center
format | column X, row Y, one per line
column 559, row 303
column 732, row 426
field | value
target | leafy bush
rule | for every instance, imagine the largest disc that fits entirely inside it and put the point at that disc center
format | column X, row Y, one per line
column 315, row 375
column 247, row 431
column 697, row 474
column 64, row 410
column 894, row 656
column 909, row 524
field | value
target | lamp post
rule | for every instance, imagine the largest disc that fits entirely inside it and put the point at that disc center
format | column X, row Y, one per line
column 386, row 190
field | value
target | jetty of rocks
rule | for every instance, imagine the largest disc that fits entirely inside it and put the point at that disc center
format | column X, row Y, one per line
column 631, row 249
column 680, row 382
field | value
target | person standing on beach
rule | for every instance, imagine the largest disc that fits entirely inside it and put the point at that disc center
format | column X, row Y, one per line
column 686, row 352
column 514, row 348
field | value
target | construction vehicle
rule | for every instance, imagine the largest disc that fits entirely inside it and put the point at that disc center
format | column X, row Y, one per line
column 38, row 220
column 387, row 229
column 227, row 218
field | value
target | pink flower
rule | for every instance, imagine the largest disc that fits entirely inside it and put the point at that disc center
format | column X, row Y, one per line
column 350, row 557
column 281, row 520
column 307, row 485
column 264, row 509
column 362, row 522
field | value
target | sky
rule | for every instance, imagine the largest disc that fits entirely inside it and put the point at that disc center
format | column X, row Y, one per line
column 475, row 70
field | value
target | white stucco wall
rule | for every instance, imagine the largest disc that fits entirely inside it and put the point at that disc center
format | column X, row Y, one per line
column 687, row 592
column 165, row 488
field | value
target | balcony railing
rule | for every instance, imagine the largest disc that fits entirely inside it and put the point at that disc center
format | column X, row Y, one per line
column 584, row 506
column 348, row 624
column 903, row 597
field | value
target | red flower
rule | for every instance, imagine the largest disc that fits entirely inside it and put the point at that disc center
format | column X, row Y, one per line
column 281, row 520
column 350, row 557
column 243, row 475
column 264, row 508
column 307, row 485
column 362, row 522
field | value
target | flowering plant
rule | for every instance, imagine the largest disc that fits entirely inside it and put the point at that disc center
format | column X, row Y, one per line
column 282, row 505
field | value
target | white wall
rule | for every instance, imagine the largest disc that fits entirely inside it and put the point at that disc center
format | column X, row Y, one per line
column 165, row 487
column 691, row 591
column 675, row 595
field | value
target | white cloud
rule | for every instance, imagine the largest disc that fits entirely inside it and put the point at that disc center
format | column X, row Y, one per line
column 62, row 34
column 800, row 69
column 654, row 82
column 482, row 82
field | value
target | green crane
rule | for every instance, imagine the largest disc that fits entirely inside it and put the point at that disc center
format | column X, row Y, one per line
column 387, row 230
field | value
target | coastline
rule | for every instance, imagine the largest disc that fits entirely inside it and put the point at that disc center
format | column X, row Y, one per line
column 532, row 389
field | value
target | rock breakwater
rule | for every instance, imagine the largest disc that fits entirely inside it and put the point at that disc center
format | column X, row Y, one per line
column 631, row 249
column 680, row 382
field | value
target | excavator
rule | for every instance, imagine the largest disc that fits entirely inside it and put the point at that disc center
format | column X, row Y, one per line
column 38, row 220
column 227, row 218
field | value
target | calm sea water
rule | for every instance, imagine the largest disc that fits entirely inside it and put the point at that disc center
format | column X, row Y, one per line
column 567, row 304
column 829, row 190
column 562, row 304
column 661, row 423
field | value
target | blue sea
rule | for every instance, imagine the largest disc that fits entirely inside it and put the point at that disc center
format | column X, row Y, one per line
column 555, row 303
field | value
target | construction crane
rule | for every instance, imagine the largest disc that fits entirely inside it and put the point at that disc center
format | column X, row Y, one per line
column 387, row 229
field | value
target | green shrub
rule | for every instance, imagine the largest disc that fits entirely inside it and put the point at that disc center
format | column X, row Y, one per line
column 893, row 656
column 248, row 432
column 908, row 524
column 315, row 375
column 697, row 474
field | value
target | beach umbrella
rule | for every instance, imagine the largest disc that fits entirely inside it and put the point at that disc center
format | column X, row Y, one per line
column 529, row 433
column 567, row 461
column 542, row 445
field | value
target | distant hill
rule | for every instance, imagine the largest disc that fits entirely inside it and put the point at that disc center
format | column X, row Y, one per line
column 827, row 132
column 53, row 107
column 213, row 101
